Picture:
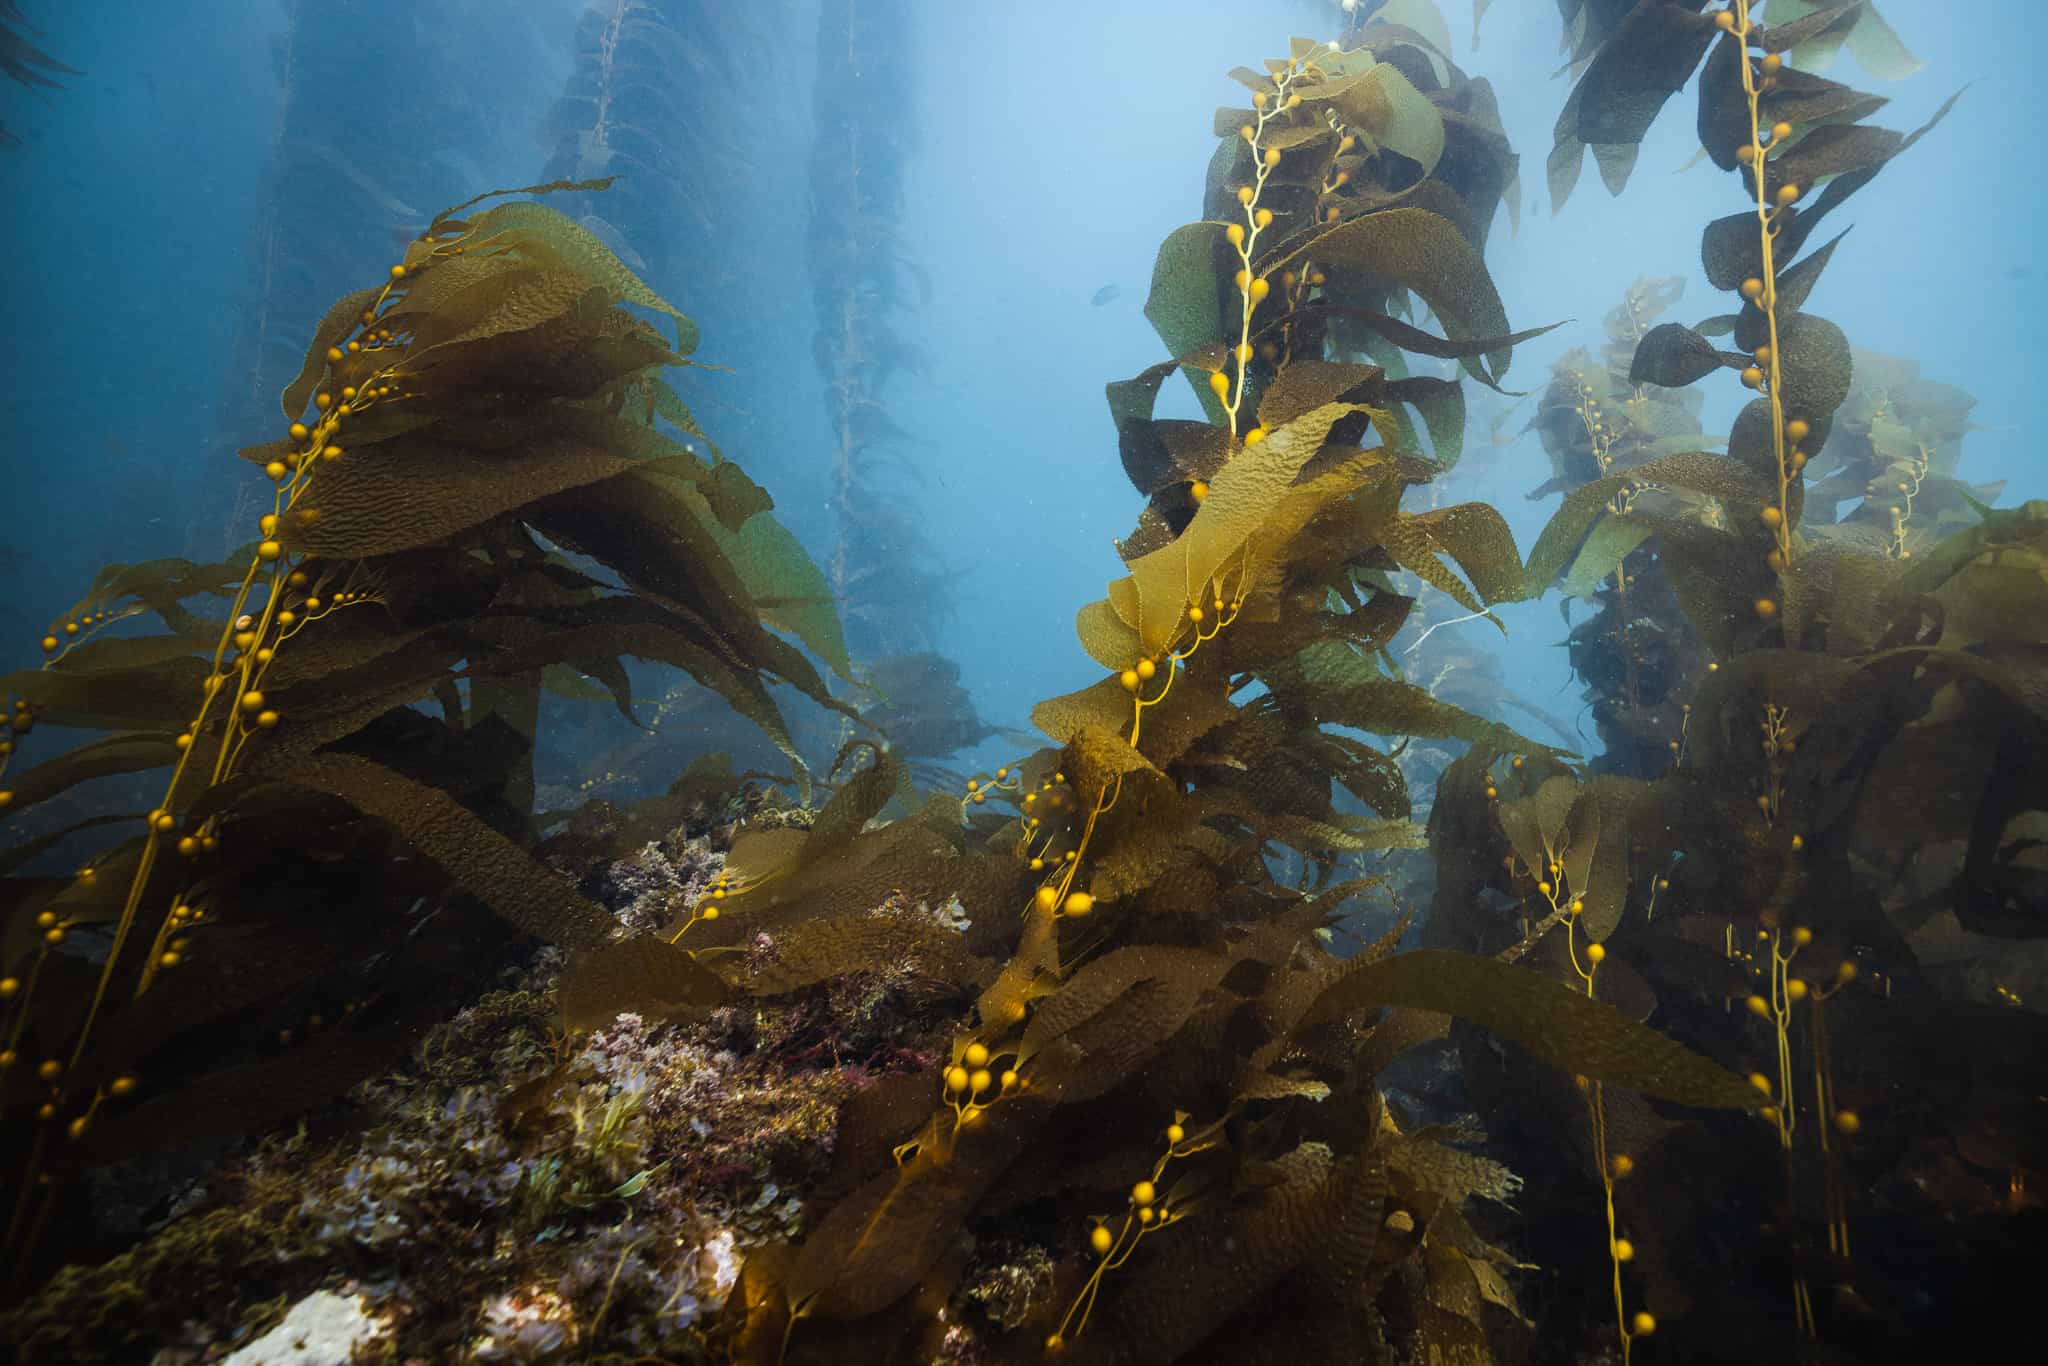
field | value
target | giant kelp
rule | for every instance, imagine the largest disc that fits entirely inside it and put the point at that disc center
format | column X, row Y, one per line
column 1163, row 1030
column 24, row 62
column 645, row 103
column 484, row 478
column 1636, row 654
column 1629, row 59
column 345, row 178
column 920, row 704
column 884, row 569
column 1888, row 479
column 1809, row 818
column 1164, row 1088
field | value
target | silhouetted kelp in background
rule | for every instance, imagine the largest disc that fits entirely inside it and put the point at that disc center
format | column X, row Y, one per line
column 648, row 102
column 883, row 567
column 1637, row 654
column 23, row 61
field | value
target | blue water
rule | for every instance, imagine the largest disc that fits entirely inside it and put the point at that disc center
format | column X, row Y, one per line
column 1056, row 144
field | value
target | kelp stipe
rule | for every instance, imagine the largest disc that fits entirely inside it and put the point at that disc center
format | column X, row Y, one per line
column 645, row 102
column 883, row 567
column 490, row 384
column 861, row 283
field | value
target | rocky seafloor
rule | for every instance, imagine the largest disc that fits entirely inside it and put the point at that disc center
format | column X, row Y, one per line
column 516, row 1194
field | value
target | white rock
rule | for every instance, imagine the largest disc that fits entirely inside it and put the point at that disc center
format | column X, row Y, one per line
column 321, row 1330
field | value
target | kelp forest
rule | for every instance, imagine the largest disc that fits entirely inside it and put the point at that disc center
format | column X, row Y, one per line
column 1275, row 1001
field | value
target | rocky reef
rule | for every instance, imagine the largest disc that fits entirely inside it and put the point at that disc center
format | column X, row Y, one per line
column 512, row 1194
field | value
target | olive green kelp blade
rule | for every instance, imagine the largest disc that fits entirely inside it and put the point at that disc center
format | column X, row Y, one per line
column 1564, row 1027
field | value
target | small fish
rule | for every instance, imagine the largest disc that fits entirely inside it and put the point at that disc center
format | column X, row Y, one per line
column 1105, row 294
column 2019, row 272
